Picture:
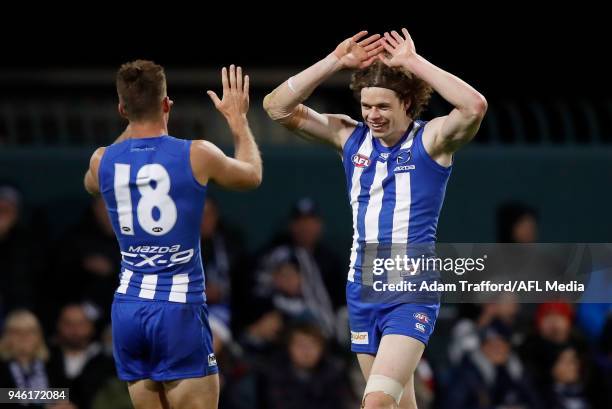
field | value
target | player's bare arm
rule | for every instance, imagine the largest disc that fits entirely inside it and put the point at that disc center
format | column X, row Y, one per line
column 284, row 104
column 91, row 176
column 446, row 134
column 244, row 170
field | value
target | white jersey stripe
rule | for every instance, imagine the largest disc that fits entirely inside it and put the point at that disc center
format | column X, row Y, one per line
column 178, row 291
column 375, row 203
column 401, row 213
column 366, row 150
column 408, row 143
column 123, row 198
column 125, row 281
column 147, row 288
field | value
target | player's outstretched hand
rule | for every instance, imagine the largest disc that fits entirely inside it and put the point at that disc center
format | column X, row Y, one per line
column 400, row 49
column 358, row 52
column 235, row 101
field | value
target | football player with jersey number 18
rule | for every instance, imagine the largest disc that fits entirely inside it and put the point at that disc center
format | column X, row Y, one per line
column 154, row 186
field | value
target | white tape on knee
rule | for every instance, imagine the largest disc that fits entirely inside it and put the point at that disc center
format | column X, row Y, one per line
column 381, row 383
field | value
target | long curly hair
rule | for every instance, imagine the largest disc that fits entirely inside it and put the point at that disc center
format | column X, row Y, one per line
column 408, row 87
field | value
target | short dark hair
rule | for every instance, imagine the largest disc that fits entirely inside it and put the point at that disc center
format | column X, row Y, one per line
column 141, row 86
column 408, row 87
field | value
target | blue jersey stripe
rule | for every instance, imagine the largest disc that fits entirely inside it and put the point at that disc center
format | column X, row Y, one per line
column 385, row 221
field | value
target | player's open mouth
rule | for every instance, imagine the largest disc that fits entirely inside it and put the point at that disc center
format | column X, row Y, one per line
column 377, row 126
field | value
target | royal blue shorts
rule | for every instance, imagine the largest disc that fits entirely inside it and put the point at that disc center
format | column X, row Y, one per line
column 161, row 340
column 369, row 321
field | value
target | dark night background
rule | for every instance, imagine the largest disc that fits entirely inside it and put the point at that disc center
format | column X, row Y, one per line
column 504, row 50
column 541, row 158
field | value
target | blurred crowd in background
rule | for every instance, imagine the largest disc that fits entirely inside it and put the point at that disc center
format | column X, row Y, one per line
column 279, row 322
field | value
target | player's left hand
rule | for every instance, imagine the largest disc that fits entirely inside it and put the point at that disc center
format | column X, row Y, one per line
column 400, row 50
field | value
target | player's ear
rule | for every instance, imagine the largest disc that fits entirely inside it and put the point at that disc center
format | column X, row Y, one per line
column 167, row 104
column 121, row 109
column 407, row 103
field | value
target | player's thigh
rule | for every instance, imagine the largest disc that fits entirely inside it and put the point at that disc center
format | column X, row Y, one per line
column 193, row 393
column 397, row 357
column 365, row 363
column 147, row 394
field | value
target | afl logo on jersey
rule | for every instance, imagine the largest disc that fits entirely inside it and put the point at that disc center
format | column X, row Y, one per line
column 157, row 229
column 404, row 156
column 126, row 229
column 360, row 161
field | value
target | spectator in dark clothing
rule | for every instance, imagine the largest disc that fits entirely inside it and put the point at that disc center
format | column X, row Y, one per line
column 516, row 223
column 305, row 376
column 18, row 264
column 320, row 264
column 465, row 333
column 553, row 330
column 223, row 253
column 23, row 355
column 89, row 263
column 566, row 388
column 492, row 376
column 291, row 295
column 289, row 276
column 264, row 325
column 76, row 361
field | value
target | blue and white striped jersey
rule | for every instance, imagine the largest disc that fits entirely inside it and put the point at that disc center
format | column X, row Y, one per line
column 396, row 193
column 155, row 206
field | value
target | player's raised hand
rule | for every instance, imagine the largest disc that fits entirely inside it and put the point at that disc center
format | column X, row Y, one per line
column 400, row 49
column 358, row 52
column 235, row 101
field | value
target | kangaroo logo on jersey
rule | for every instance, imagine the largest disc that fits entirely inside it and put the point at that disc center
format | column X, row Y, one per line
column 360, row 161
column 212, row 361
column 404, row 156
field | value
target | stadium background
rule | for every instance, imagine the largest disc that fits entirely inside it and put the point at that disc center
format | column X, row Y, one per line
column 546, row 140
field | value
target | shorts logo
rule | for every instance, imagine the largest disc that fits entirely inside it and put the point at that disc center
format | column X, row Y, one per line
column 420, row 327
column 360, row 338
column 212, row 361
column 360, row 161
column 421, row 317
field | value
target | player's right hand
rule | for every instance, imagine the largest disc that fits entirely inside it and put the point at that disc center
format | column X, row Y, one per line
column 235, row 101
column 358, row 53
